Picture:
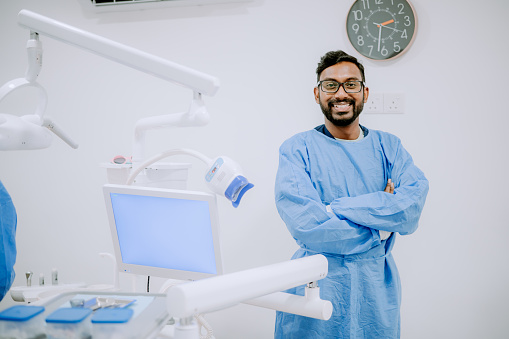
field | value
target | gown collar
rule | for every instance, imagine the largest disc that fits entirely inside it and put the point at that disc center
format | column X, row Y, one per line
column 325, row 131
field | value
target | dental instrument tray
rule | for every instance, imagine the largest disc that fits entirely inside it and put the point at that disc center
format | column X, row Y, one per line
column 146, row 313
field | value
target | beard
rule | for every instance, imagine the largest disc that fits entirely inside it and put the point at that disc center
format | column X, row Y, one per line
column 356, row 107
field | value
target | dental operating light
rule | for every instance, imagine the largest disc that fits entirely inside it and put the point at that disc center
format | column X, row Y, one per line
column 33, row 131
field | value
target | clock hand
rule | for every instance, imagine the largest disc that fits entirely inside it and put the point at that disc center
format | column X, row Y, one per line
column 387, row 22
column 394, row 29
column 384, row 23
column 380, row 25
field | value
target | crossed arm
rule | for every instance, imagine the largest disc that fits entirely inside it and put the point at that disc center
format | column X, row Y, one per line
column 354, row 226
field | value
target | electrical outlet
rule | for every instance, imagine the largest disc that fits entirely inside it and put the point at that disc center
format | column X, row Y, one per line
column 394, row 103
column 375, row 103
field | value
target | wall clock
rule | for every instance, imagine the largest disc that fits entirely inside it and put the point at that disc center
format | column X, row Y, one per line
column 381, row 29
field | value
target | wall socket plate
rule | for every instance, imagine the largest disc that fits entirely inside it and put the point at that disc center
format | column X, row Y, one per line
column 394, row 103
column 375, row 103
column 385, row 103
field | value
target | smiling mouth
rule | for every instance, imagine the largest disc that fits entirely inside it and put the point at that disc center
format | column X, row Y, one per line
column 341, row 106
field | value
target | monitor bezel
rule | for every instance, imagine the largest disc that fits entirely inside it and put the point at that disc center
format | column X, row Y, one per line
column 164, row 193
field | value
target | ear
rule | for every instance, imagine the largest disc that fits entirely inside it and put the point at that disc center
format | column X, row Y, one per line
column 317, row 95
column 366, row 94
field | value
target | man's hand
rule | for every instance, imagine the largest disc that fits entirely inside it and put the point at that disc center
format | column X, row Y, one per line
column 390, row 187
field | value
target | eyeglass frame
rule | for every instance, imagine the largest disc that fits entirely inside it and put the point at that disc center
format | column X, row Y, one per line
column 341, row 84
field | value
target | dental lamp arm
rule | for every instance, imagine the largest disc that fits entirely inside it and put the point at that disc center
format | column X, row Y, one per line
column 129, row 56
column 18, row 130
column 197, row 115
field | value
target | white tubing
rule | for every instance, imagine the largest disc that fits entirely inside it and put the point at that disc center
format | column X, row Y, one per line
column 155, row 158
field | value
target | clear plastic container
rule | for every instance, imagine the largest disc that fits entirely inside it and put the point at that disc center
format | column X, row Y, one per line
column 22, row 322
column 111, row 323
column 69, row 323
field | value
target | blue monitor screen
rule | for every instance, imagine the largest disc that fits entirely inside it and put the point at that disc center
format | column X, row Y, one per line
column 164, row 232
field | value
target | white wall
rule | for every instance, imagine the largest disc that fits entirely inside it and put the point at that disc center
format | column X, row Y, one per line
column 454, row 268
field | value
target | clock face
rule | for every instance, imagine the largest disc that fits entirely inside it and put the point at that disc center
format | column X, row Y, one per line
column 381, row 29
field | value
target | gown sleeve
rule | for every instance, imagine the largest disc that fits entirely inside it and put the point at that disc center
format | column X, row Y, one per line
column 398, row 212
column 8, row 222
column 306, row 217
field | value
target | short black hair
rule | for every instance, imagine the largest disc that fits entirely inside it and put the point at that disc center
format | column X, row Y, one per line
column 334, row 57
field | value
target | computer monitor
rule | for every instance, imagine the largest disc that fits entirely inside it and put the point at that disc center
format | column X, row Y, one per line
column 164, row 232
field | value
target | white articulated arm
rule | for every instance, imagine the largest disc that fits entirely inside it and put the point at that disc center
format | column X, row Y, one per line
column 197, row 115
column 24, row 133
column 129, row 56
column 230, row 289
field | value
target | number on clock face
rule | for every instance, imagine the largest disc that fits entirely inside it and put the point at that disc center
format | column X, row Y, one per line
column 381, row 29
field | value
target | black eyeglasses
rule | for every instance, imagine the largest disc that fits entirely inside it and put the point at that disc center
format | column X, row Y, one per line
column 332, row 86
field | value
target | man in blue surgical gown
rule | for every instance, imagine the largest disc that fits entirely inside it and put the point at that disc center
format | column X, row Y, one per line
column 8, row 221
column 345, row 191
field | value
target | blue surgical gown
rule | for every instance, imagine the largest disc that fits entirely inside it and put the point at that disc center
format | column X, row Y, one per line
column 8, row 221
column 363, row 283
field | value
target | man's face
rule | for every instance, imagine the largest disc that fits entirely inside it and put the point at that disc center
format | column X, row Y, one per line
column 341, row 108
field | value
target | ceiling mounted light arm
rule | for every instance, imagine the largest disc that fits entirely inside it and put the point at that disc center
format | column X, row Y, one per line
column 126, row 55
column 31, row 131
